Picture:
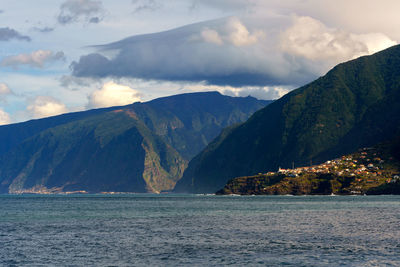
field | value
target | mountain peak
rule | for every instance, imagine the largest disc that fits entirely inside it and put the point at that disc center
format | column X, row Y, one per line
column 352, row 106
column 143, row 147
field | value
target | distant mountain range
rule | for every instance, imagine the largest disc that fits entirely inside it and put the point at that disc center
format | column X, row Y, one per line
column 143, row 147
column 146, row 147
column 354, row 105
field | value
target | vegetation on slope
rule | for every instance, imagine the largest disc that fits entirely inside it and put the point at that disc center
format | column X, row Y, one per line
column 354, row 105
column 123, row 149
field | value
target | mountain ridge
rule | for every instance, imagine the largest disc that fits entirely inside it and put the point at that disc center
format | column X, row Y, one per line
column 309, row 123
column 143, row 147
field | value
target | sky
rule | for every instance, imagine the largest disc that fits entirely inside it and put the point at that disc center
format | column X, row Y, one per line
column 59, row 56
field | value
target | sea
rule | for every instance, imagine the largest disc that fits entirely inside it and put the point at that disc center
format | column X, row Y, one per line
column 199, row 230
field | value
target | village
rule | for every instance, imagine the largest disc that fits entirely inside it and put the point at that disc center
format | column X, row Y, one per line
column 354, row 174
column 366, row 168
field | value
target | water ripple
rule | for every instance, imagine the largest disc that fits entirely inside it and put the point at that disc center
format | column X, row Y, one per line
column 143, row 230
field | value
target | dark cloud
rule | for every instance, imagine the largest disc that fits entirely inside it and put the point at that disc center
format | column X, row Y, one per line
column 222, row 52
column 96, row 65
column 43, row 30
column 7, row 34
column 94, row 20
column 75, row 10
column 64, row 19
column 90, row 65
column 72, row 82
column 272, row 51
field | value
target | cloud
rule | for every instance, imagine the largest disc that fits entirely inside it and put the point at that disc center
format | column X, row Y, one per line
column 94, row 20
column 375, row 42
column 355, row 16
column 46, row 106
column 112, row 94
column 71, row 11
column 43, row 30
column 4, row 118
column 264, row 92
column 68, row 81
column 239, row 34
column 4, row 90
column 233, row 32
column 190, row 53
column 211, row 36
column 36, row 59
column 272, row 50
column 311, row 39
column 7, row 34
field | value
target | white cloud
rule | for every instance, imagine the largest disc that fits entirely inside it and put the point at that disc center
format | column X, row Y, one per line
column 46, row 106
column 239, row 35
column 375, row 42
column 4, row 90
column 113, row 94
column 36, row 59
column 265, row 92
column 233, row 31
column 4, row 117
column 211, row 36
column 311, row 39
column 259, row 92
column 358, row 16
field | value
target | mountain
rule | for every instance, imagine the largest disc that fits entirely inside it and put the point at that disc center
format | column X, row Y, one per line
column 143, row 147
column 354, row 105
column 13, row 134
column 190, row 121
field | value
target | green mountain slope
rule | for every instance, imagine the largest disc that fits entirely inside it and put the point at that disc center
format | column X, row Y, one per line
column 352, row 106
column 190, row 121
column 13, row 134
column 124, row 149
column 109, row 152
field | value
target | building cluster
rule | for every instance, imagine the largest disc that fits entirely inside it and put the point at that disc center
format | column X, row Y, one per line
column 365, row 165
column 44, row 191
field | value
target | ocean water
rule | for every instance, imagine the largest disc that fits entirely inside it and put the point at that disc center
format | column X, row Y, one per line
column 180, row 230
